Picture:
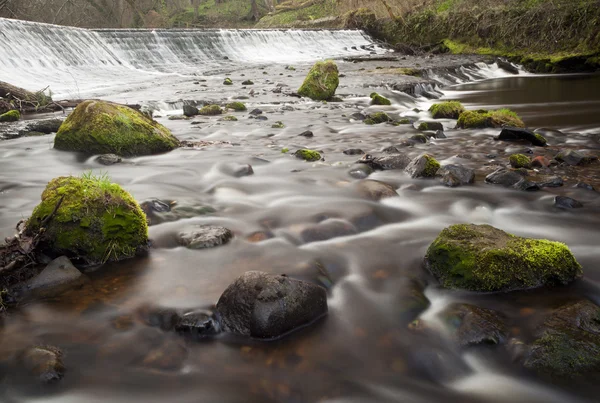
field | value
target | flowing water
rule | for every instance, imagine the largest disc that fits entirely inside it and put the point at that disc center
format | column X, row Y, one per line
column 366, row 348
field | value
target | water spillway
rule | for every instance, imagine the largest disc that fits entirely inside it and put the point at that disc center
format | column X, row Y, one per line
column 75, row 61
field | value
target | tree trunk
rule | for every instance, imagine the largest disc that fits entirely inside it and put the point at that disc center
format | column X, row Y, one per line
column 254, row 10
column 10, row 91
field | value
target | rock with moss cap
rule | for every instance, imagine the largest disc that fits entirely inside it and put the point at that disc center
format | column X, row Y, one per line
column 88, row 219
column 308, row 155
column 227, row 81
column 210, row 110
column 376, row 118
column 484, row 258
column 447, row 110
column 483, row 118
column 430, row 126
column 520, row 161
column 237, row 106
column 100, row 127
column 377, row 99
column 518, row 133
column 424, row 166
column 10, row 116
column 321, row 82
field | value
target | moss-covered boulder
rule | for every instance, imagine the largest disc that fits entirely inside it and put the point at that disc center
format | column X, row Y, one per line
column 377, row 99
column 227, row 81
column 308, row 155
column 321, row 82
column 482, row 118
column 100, row 127
column 10, row 116
column 237, row 106
column 376, row 118
column 88, row 219
column 484, row 258
column 520, row 161
column 210, row 110
column 447, row 110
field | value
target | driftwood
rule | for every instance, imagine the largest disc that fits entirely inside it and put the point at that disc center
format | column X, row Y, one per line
column 66, row 104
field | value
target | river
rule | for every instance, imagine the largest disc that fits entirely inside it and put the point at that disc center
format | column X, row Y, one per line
column 366, row 348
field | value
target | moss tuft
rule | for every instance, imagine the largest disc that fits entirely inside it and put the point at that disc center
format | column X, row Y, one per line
column 376, row 118
column 10, row 116
column 377, row 99
column 484, row 258
column 520, row 161
column 96, row 220
column 229, row 118
column 482, row 118
column 100, row 127
column 278, row 125
column 210, row 110
column 321, row 82
column 541, row 139
column 447, row 110
column 308, row 155
column 227, row 81
column 404, row 122
column 237, row 106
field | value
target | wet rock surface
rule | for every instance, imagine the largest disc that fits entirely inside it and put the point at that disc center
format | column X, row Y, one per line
column 375, row 190
column 109, row 159
column 516, row 134
column 204, row 236
column 44, row 363
column 471, row 325
column 267, row 306
column 59, row 275
column 452, row 175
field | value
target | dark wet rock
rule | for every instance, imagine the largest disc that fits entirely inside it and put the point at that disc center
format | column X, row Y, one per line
column 471, row 325
column 507, row 66
column 247, row 82
column 190, row 110
column 198, row 324
column 453, row 175
column 431, row 126
column 504, row 177
column 586, row 186
column 484, row 258
column 45, row 126
column 387, row 162
column 565, row 202
column 164, row 318
column 439, row 134
column 375, row 190
column 572, row 157
column 358, row 116
column 158, row 211
column 353, row 151
column 516, row 134
column 540, row 162
column 328, row 229
column 360, row 171
column 238, row 170
column 205, row 236
column 108, row 159
column 59, row 276
column 43, row 362
column 419, row 138
column 256, row 112
column 567, row 344
column 262, row 117
column 155, row 206
column 267, row 306
column 423, row 166
column 551, row 182
column 170, row 355
column 306, row 134
column 412, row 300
column 390, row 150
column 527, row 185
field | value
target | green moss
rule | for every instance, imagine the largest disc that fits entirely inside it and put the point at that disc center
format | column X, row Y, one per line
column 541, row 138
column 237, row 106
column 285, row 150
column 210, row 110
column 229, row 118
column 10, row 116
column 278, row 125
column 96, row 221
column 308, row 155
column 227, row 81
column 431, row 166
column 248, row 82
column 409, row 72
column 484, row 258
column 404, row 121
column 321, row 82
column 377, row 99
column 447, row 110
column 423, row 126
column 99, row 127
column 520, row 161
column 376, row 118
column 482, row 118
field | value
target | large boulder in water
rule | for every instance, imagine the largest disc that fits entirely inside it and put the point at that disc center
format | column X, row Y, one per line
column 321, row 82
column 99, row 127
column 267, row 306
column 484, row 258
column 90, row 220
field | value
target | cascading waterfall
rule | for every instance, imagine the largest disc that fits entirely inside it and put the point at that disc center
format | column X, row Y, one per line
column 75, row 61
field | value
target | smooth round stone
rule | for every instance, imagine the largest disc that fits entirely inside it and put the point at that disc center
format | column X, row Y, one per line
column 205, row 236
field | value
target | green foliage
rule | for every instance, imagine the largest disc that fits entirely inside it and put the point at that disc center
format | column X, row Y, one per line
column 482, row 118
column 321, row 82
column 447, row 110
column 99, row 127
column 10, row 116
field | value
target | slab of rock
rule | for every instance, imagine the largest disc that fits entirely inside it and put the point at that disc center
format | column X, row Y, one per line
column 484, row 258
column 453, row 175
column 565, row 202
column 328, row 229
column 268, row 306
column 504, row 177
column 205, row 236
column 471, row 325
column 517, row 133
column 387, row 162
column 45, row 126
column 307, row 134
column 59, row 276
column 572, row 157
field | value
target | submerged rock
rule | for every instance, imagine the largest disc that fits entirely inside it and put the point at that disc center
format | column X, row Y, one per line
column 353, row 151
column 45, row 363
column 567, row 344
column 89, row 219
column 471, row 325
column 308, row 155
column 307, row 134
column 484, row 258
column 375, row 190
column 100, row 127
column 205, row 236
column 198, row 324
column 59, row 276
column 328, row 229
column 424, row 166
column 45, row 126
column 268, row 306
column 565, row 202
column 377, row 118
column 520, row 133
column 108, row 159
column 453, row 175
column 572, row 157
column 321, row 82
